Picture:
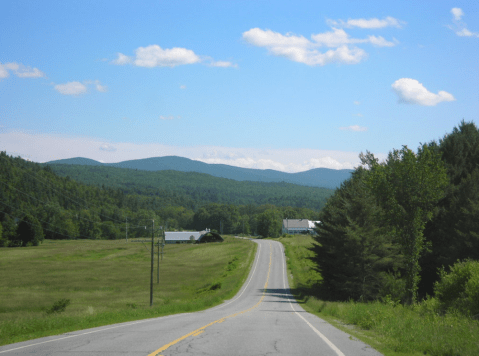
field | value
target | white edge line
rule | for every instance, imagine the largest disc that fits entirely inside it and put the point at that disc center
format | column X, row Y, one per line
column 135, row 322
column 325, row 339
column 246, row 286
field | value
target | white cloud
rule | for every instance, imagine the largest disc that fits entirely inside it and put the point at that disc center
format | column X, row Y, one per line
column 3, row 71
column 457, row 13
column 77, row 88
column 410, row 91
column 171, row 117
column 299, row 49
column 373, row 23
column 357, row 102
column 20, row 71
column 460, row 28
column 48, row 147
column 122, row 59
column 101, row 88
column 302, row 50
column 223, row 64
column 71, row 88
column 182, row 86
column 155, row 56
column 354, row 128
column 107, row 147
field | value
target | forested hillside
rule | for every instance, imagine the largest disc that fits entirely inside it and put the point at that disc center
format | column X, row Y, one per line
column 317, row 177
column 387, row 231
column 191, row 190
column 36, row 203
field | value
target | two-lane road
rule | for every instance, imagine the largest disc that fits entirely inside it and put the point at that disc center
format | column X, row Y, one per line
column 262, row 319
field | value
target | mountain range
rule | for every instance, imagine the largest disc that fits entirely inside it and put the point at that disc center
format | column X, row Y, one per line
column 317, row 177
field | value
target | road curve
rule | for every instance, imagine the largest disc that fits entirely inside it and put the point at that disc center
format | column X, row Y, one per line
column 262, row 319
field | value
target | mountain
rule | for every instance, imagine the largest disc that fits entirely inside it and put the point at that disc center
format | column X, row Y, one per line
column 318, row 177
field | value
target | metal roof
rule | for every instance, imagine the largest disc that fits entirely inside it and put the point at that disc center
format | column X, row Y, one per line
column 184, row 235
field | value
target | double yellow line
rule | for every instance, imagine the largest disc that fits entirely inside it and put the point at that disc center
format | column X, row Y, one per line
column 202, row 329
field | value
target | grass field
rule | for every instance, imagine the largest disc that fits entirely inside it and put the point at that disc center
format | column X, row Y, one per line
column 391, row 329
column 104, row 282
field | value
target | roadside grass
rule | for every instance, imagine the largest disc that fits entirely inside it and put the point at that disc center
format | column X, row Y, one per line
column 390, row 328
column 67, row 285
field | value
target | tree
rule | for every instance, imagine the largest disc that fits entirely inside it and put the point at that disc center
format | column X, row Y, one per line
column 454, row 231
column 354, row 254
column 408, row 186
column 29, row 231
column 269, row 223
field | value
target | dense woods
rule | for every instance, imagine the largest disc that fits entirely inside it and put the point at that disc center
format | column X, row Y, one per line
column 36, row 203
column 395, row 227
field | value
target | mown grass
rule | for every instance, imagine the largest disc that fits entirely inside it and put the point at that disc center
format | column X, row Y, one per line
column 390, row 328
column 108, row 282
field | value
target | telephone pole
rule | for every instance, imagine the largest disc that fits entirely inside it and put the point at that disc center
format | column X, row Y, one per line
column 152, row 259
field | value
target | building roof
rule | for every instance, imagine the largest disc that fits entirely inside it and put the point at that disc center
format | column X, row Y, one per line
column 183, row 235
column 296, row 223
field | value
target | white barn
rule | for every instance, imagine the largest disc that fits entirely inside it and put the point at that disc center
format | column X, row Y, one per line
column 181, row 237
column 298, row 226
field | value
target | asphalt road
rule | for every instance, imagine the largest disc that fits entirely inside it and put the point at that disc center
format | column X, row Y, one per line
column 262, row 319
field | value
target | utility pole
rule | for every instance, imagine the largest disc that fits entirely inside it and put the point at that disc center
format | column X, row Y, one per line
column 158, row 266
column 152, row 260
column 126, row 236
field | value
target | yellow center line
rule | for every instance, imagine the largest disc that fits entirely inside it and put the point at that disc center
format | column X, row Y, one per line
column 202, row 329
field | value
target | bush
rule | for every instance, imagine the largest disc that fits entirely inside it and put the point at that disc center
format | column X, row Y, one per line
column 458, row 290
column 59, row 306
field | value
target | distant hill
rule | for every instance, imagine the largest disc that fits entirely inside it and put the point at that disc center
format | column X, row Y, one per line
column 318, row 177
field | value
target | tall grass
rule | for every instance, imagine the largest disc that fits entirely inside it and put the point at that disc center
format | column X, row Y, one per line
column 390, row 328
column 108, row 282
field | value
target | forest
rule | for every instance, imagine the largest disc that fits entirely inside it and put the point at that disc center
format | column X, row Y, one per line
column 191, row 190
column 36, row 203
column 395, row 227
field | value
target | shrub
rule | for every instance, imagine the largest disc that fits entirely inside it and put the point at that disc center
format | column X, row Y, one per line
column 59, row 306
column 459, row 289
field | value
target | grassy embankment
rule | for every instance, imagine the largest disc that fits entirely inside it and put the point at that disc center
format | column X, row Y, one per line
column 390, row 329
column 109, row 282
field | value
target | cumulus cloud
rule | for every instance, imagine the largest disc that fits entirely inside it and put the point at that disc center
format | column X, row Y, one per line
column 155, row 56
column 457, row 13
column 3, row 71
column 122, row 59
column 77, row 88
column 460, row 27
column 373, row 23
column 354, row 128
column 299, row 49
column 71, row 88
column 342, row 46
column 20, row 71
column 410, row 91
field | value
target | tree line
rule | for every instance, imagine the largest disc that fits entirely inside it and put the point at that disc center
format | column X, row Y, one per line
column 37, row 204
column 390, row 229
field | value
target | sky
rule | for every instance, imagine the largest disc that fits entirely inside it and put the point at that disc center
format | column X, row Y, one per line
column 281, row 85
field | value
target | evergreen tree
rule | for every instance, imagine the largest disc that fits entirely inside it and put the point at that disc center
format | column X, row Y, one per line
column 353, row 253
column 408, row 187
column 454, row 231
column 29, row 231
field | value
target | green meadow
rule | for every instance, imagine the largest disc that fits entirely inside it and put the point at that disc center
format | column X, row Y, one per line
column 391, row 328
column 66, row 285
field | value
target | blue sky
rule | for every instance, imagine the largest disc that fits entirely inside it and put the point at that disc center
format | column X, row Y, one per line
column 259, row 84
